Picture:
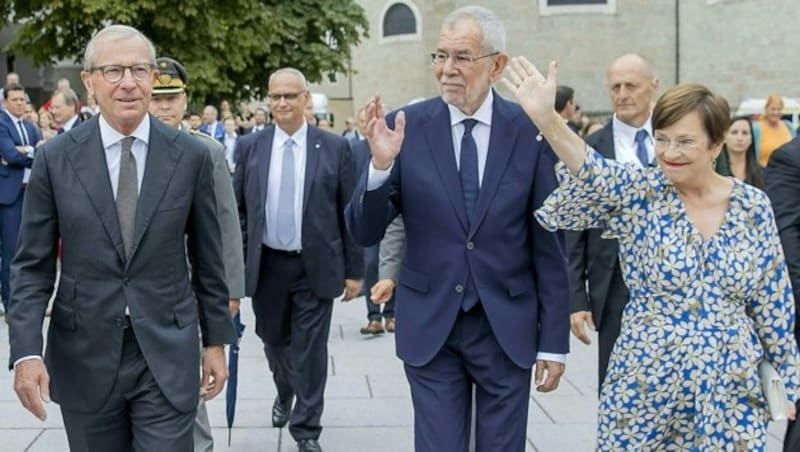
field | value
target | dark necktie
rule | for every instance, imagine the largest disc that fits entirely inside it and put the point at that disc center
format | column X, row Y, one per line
column 468, row 168
column 641, row 147
column 285, row 220
column 22, row 133
column 127, row 194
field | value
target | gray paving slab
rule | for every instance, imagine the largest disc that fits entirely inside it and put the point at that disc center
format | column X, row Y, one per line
column 367, row 406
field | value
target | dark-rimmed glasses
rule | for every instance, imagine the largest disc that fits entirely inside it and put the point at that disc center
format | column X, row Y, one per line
column 276, row 97
column 113, row 73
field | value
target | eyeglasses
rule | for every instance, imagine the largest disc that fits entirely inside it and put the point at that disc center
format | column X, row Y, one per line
column 460, row 61
column 684, row 144
column 288, row 96
column 113, row 73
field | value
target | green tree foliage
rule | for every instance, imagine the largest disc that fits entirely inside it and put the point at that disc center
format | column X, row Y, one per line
column 229, row 47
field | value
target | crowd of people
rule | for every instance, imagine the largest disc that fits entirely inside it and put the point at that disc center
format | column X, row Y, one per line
column 480, row 230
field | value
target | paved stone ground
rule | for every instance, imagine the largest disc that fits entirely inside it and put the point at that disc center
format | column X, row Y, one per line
column 367, row 407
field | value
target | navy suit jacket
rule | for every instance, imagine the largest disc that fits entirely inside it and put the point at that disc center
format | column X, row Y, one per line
column 519, row 269
column 329, row 255
column 12, row 170
column 218, row 132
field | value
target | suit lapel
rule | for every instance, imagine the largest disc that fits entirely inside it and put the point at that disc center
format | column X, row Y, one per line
column 441, row 147
column 162, row 158
column 88, row 159
column 13, row 126
column 501, row 144
column 313, row 151
column 263, row 156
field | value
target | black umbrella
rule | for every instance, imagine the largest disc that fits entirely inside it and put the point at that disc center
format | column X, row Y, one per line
column 233, row 375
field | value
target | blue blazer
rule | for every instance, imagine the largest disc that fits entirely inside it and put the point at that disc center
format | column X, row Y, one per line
column 519, row 269
column 15, row 162
column 218, row 133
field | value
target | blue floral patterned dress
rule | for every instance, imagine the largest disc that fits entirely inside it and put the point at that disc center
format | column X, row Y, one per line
column 702, row 313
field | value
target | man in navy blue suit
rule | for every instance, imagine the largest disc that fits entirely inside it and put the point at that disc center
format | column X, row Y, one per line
column 483, row 289
column 18, row 137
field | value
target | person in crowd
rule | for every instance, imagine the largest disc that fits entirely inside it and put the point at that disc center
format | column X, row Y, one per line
column 64, row 107
column 168, row 104
column 738, row 156
column 244, row 118
column 90, row 108
column 483, row 288
column 260, row 119
column 46, row 122
column 211, row 126
column 229, row 142
column 132, row 202
column 350, row 131
column 225, row 110
column 598, row 292
column 591, row 127
column 701, row 255
column 195, row 121
column 30, row 113
column 771, row 131
column 12, row 78
column 783, row 188
column 18, row 137
column 310, row 114
column 292, row 183
column 565, row 105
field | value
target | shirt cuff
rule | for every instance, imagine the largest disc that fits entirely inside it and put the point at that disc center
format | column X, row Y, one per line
column 376, row 178
column 26, row 358
column 554, row 357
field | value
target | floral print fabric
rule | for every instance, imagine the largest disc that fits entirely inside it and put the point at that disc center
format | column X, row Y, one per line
column 702, row 314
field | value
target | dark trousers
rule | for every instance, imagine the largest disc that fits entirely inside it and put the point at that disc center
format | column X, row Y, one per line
column 371, row 262
column 441, row 392
column 137, row 417
column 10, row 220
column 294, row 324
column 791, row 443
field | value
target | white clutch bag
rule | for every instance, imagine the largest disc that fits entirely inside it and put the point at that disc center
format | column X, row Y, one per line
column 774, row 390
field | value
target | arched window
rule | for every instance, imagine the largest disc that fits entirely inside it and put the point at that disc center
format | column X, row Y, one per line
column 399, row 20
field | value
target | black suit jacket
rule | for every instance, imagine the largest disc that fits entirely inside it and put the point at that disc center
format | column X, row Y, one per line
column 69, row 197
column 783, row 188
column 329, row 255
column 594, row 259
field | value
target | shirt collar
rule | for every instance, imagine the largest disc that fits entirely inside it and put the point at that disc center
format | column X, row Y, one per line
column 483, row 114
column 298, row 137
column 14, row 119
column 111, row 137
column 70, row 123
column 629, row 132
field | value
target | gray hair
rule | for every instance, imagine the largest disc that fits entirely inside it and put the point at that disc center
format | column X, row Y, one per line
column 293, row 71
column 115, row 33
column 70, row 98
column 493, row 32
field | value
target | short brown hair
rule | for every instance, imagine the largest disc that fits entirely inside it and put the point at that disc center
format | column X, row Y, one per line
column 681, row 100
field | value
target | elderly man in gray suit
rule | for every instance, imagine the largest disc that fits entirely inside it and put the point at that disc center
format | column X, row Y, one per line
column 129, row 197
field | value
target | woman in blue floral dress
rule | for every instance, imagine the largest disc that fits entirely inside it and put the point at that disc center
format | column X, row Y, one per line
column 701, row 255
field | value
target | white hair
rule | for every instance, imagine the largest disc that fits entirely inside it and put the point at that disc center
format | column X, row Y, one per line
column 293, row 71
column 493, row 32
column 115, row 33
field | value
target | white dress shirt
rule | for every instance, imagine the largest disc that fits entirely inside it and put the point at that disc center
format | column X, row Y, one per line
column 481, row 134
column 26, row 174
column 625, row 141
column 230, row 144
column 69, row 124
column 270, row 237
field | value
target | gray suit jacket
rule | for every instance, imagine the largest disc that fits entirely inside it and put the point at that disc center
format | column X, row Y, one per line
column 69, row 197
column 228, row 215
column 392, row 248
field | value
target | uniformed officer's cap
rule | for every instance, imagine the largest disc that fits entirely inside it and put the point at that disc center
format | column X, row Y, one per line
column 172, row 77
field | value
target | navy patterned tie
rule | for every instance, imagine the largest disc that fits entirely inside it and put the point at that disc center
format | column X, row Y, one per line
column 468, row 168
column 641, row 147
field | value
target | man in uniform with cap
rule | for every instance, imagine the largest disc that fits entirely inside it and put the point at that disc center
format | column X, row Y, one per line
column 168, row 104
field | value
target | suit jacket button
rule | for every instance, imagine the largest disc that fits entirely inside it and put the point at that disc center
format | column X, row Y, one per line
column 127, row 281
column 459, row 288
column 119, row 321
column 470, row 246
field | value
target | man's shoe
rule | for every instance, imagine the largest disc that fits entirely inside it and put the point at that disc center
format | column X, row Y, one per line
column 308, row 445
column 280, row 413
column 390, row 324
column 373, row 327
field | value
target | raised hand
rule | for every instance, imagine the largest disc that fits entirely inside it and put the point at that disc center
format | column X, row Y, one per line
column 535, row 93
column 383, row 142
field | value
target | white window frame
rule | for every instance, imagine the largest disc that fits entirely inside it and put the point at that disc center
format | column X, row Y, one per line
column 416, row 36
column 610, row 7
